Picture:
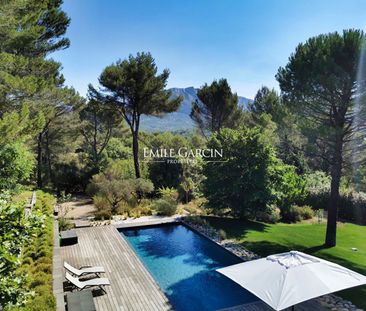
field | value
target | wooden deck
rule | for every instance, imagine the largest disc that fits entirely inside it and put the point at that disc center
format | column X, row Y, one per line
column 132, row 286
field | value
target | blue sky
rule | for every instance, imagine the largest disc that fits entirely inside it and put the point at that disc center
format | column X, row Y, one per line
column 244, row 41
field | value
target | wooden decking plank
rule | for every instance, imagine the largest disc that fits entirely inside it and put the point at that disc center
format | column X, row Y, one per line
column 117, row 278
column 132, row 258
column 132, row 286
column 125, row 283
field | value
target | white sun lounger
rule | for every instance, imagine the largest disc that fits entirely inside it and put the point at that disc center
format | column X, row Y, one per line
column 80, row 285
column 83, row 270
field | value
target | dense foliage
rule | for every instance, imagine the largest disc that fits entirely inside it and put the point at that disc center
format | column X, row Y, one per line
column 325, row 90
column 241, row 181
column 116, row 185
column 16, row 230
column 16, row 158
column 217, row 107
column 134, row 87
column 32, row 100
column 36, row 260
column 16, row 165
column 249, row 180
column 166, row 205
column 286, row 157
column 26, row 254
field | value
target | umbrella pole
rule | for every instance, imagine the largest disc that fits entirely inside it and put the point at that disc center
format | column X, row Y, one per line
column 293, row 308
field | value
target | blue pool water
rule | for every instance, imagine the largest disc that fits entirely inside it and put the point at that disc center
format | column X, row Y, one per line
column 183, row 263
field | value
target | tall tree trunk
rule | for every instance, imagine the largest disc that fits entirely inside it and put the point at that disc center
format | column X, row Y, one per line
column 48, row 158
column 135, row 150
column 336, row 170
column 95, row 145
column 39, row 161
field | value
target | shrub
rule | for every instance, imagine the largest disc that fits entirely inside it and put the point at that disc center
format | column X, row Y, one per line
column 142, row 187
column 165, row 207
column 64, row 197
column 100, row 202
column 123, row 209
column 307, row 212
column 104, row 211
column 317, row 182
column 241, row 181
column 288, row 187
column 318, row 200
column 38, row 279
column 352, row 204
column 139, row 211
column 144, row 209
column 191, row 181
column 45, row 267
column 167, row 193
column 165, row 173
column 195, row 207
column 196, row 220
column 116, row 150
column 16, row 164
column 271, row 215
column 111, row 189
column 124, row 169
column 297, row 213
column 71, row 175
column 318, row 189
column 222, row 234
column 352, row 207
column 186, row 188
column 250, row 177
column 103, row 214
column 64, row 224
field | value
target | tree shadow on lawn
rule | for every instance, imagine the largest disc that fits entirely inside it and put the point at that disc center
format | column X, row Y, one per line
column 236, row 228
column 266, row 248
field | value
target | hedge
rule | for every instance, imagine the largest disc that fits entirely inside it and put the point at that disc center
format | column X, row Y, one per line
column 352, row 205
column 37, row 261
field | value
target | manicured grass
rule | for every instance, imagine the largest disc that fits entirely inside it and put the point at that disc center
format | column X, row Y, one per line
column 266, row 239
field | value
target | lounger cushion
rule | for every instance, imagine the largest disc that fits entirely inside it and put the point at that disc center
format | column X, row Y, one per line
column 83, row 271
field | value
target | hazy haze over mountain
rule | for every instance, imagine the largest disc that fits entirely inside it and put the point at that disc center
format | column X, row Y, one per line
column 179, row 120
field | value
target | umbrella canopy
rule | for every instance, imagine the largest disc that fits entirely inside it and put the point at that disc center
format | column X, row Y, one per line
column 286, row 279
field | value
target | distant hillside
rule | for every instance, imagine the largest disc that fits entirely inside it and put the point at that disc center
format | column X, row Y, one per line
column 179, row 120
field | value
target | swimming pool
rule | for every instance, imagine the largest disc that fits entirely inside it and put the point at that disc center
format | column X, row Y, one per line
column 183, row 263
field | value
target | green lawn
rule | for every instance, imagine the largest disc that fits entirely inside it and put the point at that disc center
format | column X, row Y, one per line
column 265, row 239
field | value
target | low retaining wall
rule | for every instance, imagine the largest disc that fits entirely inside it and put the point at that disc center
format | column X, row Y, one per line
column 57, row 271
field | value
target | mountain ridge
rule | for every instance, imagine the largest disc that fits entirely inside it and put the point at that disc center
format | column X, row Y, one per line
column 180, row 119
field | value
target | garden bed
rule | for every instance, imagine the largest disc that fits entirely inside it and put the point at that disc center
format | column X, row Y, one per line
column 36, row 261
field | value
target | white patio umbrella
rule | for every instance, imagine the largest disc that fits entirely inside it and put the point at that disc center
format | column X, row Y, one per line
column 286, row 279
